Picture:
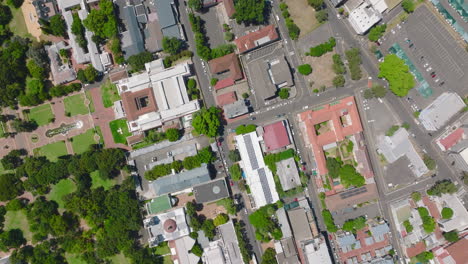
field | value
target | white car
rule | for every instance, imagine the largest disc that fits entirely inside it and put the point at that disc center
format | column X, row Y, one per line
column 429, row 69
column 425, row 65
column 437, row 80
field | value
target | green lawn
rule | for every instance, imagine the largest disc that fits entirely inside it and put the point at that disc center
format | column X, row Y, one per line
column 17, row 219
column 97, row 181
column 119, row 130
column 18, row 24
column 41, row 114
column 59, row 190
column 75, row 105
column 52, row 151
column 81, row 143
column 119, row 259
column 2, row 129
column 109, row 94
column 90, row 98
column 74, row 259
column 162, row 249
column 167, row 260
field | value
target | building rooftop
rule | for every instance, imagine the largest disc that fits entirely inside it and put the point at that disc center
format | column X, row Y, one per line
column 259, row 177
column 45, row 9
column 276, row 135
column 132, row 39
column 283, row 222
column 61, row 72
column 167, row 18
column 286, row 252
column 159, row 204
column 226, row 98
column 399, row 145
column 139, row 103
column 166, row 226
column 288, row 174
column 363, row 17
column 235, row 109
column 317, row 252
column 452, row 139
column 256, row 39
column 182, row 248
column 228, row 63
column 65, row 5
column 349, row 198
column 230, row 242
column 211, row 191
column 344, row 118
column 179, row 182
column 458, row 250
column 280, row 73
column 300, row 224
column 459, row 220
column 415, row 249
column 437, row 114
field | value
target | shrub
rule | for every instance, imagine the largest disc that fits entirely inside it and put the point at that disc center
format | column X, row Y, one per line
column 339, row 81
column 416, row 196
column 391, row 131
column 236, row 173
column 429, row 162
column 284, row 93
column 213, row 81
column 323, row 48
column 172, row 134
column 354, row 63
column 321, row 16
column 409, row 228
column 329, row 222
column 408, row 6
column 447, row 213
column 197, row 250
column 221, row 219
column 451, row 236
column 376, row 32
column 242, row 129
column 305, row 69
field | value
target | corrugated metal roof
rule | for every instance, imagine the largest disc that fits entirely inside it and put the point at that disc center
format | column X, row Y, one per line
column 181, row 181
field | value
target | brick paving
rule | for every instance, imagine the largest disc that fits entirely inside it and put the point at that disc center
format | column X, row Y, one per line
column 101, row 117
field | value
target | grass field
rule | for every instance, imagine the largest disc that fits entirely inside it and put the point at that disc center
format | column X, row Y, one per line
column 119, row 259
column 17, row 219
column 81, row 143
column 75, row 105
column 18, row 24
column 74, row 259
column 167, row 260
column 41, row 114
column 90, row 98
column 97, row 181
column 52, row 151
column 162, row 249
column 119, row 130
column 303, row 15
column 109, row 94
column 59, row 190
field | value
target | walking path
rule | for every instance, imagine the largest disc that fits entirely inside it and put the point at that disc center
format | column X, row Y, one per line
column 101, row 117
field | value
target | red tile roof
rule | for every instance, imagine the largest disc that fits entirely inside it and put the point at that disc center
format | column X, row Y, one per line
column 224, row 83
column 229, row 63
column 416, row 249
column 452, row 139
column 432, row 207
column 332, row 113
column 229, row 6
column 275, row 136
column 131, row 107
column 227, row 98
column 459, row 250
column 257, row 38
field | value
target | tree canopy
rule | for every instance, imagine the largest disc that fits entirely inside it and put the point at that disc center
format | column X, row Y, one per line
column 446, row 212
column 137, row 62
column 250, row 11
column 102, row 21
column 451, row 236
column 207, row 121
column 197, row 5
column 408, row 6
column 172, row 134
column 10, row 187
column 5, row 15
column 333, row 167
column 269, row 256
column 442, row 187
column 55, row 26
column 350, row 177
column 304, row 69
column 376, row 32
column 283, row 93
column 397, row 73
column 236, row 172
column 329, row 222
column 172, row 45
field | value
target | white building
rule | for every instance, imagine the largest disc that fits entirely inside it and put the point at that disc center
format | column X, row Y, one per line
column 317, row 252
column 166, row 226
column 459, row 220
column 439, row 112
column 258, row 176
column 225, row 250
column 363, row 16
column 155, row 96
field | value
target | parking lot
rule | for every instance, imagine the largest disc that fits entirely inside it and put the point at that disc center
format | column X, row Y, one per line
column 436, row 55
column 213, row 27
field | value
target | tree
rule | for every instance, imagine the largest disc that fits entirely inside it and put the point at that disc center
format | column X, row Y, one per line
column 5, row 15
column 10, row 187
column 172, row 134
column 172, row 45
column 197, row 250
column 234, row 155
column 397, row 73
column 16, row 204
column 221, row 219
column 197, row 5
column 451, row 236
column 24, row 126
column 228, row 204
column 56, row 26
column 316, row 4
column 35, row 70
column 13, row 159
column 368, row 94
column 293, row 30
column 229, row 36
column 78, row 30
column 11, row 239
column 354, row 63
column 416, row 196
column 213, row 81
column 376, row 32
column 191, row 84
column 339, row 81
column 208, row 228
column 321, row 16
column 333, row 167
column 207, row 121
column 447, row 213
column 338, row 65
column 305, row 69
column 329, row 222
column 15, row 3
column 350, row 177
column 249, row 11
column 283, row 93
column 137, row 62
column 408, row 6
column 323, row 48
column 90, row 73
column 408, row 227
column 379, row 91
column 269, row 256
column 425, row 257
column 429, row 162
column 236, row 173
column 102, row 21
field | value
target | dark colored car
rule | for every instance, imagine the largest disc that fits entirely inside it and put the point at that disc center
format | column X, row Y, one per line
column 433, row 75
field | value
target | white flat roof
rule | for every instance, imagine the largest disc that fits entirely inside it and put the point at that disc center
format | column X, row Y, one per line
column 259, row 177
column 317, row 252
column 364, row 17
column 441, row 110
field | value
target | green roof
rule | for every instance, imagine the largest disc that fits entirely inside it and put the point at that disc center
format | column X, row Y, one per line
column 159, row 204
